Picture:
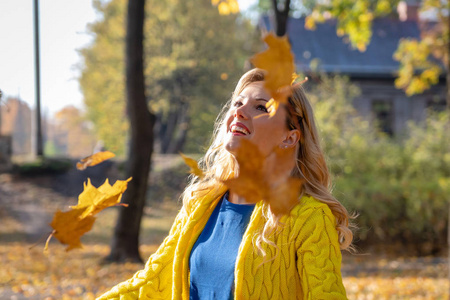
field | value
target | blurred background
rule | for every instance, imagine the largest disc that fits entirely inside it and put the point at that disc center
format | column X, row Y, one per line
column 378, row 80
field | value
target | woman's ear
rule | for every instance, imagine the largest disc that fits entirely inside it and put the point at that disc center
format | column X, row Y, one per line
column 291, row 139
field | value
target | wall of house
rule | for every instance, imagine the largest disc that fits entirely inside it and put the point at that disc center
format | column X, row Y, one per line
column 381, row 101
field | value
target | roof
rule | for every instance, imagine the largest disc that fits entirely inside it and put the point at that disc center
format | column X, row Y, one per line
column 336, row 56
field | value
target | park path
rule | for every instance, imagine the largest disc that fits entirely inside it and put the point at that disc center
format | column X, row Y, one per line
column 30, row 202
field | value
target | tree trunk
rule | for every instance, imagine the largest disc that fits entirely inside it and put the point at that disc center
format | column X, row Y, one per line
column 125, row 243
column 448, row 127
column 183, row 125
column 170, row 126
column 281, row 17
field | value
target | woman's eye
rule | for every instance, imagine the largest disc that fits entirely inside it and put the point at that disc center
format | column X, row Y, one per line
column 262, row 108
column 237, row 103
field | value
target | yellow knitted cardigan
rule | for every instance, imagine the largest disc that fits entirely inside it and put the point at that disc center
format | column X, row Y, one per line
column 307, row 265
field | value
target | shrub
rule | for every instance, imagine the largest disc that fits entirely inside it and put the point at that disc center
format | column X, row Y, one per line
column 400, row 187
column 44, row 166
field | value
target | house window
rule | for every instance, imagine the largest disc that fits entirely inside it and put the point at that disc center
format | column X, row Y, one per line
column 436, row 103
column 384, row 115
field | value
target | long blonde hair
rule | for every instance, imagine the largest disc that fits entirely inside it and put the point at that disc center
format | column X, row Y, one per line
column 219, row 164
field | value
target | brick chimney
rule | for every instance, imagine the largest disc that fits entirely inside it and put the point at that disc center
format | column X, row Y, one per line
column 408, row 11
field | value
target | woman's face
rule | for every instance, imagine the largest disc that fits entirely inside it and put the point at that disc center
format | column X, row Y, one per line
column 248, row 119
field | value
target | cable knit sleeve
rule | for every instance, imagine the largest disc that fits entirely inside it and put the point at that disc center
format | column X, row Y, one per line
column 154, row 281
column 318, row 255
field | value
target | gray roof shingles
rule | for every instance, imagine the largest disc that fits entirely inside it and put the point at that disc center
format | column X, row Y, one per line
column 336, row 56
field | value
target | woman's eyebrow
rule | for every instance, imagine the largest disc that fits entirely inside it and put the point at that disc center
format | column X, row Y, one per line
column 257, row 98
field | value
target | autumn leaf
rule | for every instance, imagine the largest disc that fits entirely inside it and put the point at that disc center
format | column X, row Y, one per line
column 278, row 62
column 266, row 178
column 94, row 200
column 284, row 197
column 94, row 159
column 70, row 226
column 192, row 163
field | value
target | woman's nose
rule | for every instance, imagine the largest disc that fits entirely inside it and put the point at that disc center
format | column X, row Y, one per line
column 240, row 112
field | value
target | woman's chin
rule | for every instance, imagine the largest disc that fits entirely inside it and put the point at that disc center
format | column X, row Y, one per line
column 233, row 143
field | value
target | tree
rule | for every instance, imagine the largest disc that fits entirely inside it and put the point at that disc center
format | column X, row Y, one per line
column 125, row 243
column 192, row 64
column 419, row 68
column 102, row 79
column 69, row 134
column 281, row 12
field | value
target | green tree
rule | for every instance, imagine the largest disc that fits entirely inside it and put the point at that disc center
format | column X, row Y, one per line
column 102, row 79
column 419, row 59
column 419, row 68
column 381, row 178
column 192, row 63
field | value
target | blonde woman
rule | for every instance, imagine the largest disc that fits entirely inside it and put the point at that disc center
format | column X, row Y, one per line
column 221, row 246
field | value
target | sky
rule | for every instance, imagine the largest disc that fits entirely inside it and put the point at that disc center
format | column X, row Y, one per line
column 62, row 32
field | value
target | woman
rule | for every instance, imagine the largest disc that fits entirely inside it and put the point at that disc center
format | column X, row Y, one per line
column 222, row 246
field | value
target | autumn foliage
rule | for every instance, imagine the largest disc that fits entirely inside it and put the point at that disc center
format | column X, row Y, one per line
column 94, row 159
column 69, row 226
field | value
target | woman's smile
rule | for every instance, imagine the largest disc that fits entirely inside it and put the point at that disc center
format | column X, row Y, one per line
column 239, row 129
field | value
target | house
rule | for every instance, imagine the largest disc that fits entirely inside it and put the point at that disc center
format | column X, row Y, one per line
column 374, row 70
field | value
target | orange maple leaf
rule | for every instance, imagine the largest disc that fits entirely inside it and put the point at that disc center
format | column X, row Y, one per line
column 250, row 181
column 68, row 227
column 266, row 178
column 95, row 200
column 278, row 62
column 193, row 165
column 94, row 159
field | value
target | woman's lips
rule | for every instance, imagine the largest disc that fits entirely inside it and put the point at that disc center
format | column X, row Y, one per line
column 239, row 129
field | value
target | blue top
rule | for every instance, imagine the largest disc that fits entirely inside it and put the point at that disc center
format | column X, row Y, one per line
column 213, row 255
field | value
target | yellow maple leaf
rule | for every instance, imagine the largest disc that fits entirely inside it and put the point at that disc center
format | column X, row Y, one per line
column 193, row 165
column 95, row 200
column 94, row 159
column 278, row 62
column 68, row 227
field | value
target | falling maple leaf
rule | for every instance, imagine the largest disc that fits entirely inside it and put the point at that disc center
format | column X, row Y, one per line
column 192, row 163
column 266, row 178
column 94, row 159
column 69, row 226
column 278, row 62
column 94, row 200
column 250, row 181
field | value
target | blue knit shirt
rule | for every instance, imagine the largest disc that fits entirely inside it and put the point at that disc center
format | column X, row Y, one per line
column 213, row 255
